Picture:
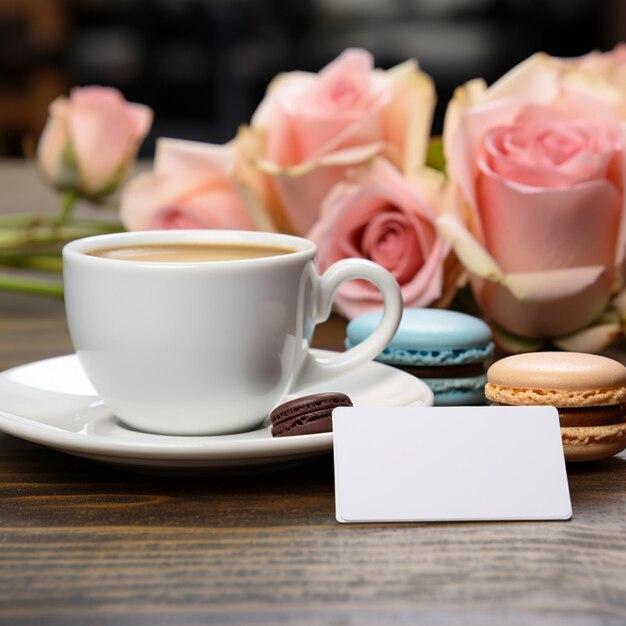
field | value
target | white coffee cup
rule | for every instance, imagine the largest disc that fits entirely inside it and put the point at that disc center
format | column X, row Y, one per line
column 194, row 348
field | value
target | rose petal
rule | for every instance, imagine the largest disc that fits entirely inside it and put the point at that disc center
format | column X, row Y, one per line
column 191, row 183
column 463, row 137
column 354, row 222
column 390, row 240
column 142, row 117
column 345, row 98
column 427, row 285
column 345, row 83
column 299, row 123
column 217, row 208
column 282, row 86
column 255, row 186
column 553, row 146
column 316, row 138
column 468, row 249
column 536, row 79
column 474, row 110
column 540, row 304
column 593, row 339
column 53, row 140
column 547, row 314
column 190, row 161
column 343, row 158
column 525, row 286
column 407, row 118
column 527, row 229
column 545, row 285
column 514, row 344
column 175, row 219
column 302, row 196
column 103, row 133
column 358, row 297
column 594, row 87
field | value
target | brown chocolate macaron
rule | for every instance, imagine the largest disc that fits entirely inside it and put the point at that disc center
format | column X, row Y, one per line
column 307, row 415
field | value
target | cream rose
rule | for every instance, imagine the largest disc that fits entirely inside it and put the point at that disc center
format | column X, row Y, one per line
column 535, row 163
column 311, row 128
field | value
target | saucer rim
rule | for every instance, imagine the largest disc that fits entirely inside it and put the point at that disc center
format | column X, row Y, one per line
column 183, row 447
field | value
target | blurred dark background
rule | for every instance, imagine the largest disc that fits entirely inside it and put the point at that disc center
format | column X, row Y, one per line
column 203, row 65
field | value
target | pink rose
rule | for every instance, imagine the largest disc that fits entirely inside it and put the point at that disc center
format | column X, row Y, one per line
column 385, row 219
column 311, row 127
column 91, row 139
column 536, row 166
column 191, row 186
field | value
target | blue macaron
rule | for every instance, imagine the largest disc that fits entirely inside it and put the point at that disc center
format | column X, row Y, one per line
column 446, row 348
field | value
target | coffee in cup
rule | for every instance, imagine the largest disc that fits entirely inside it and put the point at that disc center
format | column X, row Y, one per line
column 189, row 252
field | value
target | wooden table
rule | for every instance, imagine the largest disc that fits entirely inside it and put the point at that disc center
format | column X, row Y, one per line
column 85, row 544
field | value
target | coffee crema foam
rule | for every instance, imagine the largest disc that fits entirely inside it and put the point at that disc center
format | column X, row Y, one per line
column 189, row 252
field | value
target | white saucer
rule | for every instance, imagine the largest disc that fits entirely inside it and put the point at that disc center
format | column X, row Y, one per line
column 52, row 403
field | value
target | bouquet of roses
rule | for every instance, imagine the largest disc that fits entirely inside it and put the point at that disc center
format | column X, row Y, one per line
column 522, row 199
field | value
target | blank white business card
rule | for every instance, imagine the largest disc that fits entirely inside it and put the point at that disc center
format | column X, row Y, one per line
column 426, row 464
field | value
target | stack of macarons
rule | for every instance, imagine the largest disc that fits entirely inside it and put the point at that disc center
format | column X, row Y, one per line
column 588, row 391
column 445, row 348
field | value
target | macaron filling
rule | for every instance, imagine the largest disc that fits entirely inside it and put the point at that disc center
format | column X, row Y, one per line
column 451, row 371
column 587, row 416
column 591, row 416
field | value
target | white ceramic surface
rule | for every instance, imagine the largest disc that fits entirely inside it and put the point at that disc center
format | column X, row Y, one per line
column 52, row 403
column 215, row 343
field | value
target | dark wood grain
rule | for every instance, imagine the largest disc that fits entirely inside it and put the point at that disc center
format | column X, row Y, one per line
column 86, row 544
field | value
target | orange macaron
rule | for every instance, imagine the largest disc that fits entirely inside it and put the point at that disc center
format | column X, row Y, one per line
column 588, row 390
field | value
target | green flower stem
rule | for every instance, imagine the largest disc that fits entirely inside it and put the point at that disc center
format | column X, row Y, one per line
column 25, row 220
column 18, row 221
column 31, row 285
column 34, row 243
column 53, row 248
column 38, row 262
column 67, row 204
column 46, row 234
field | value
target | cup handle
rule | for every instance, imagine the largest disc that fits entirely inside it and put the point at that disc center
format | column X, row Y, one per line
column 318, row 369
